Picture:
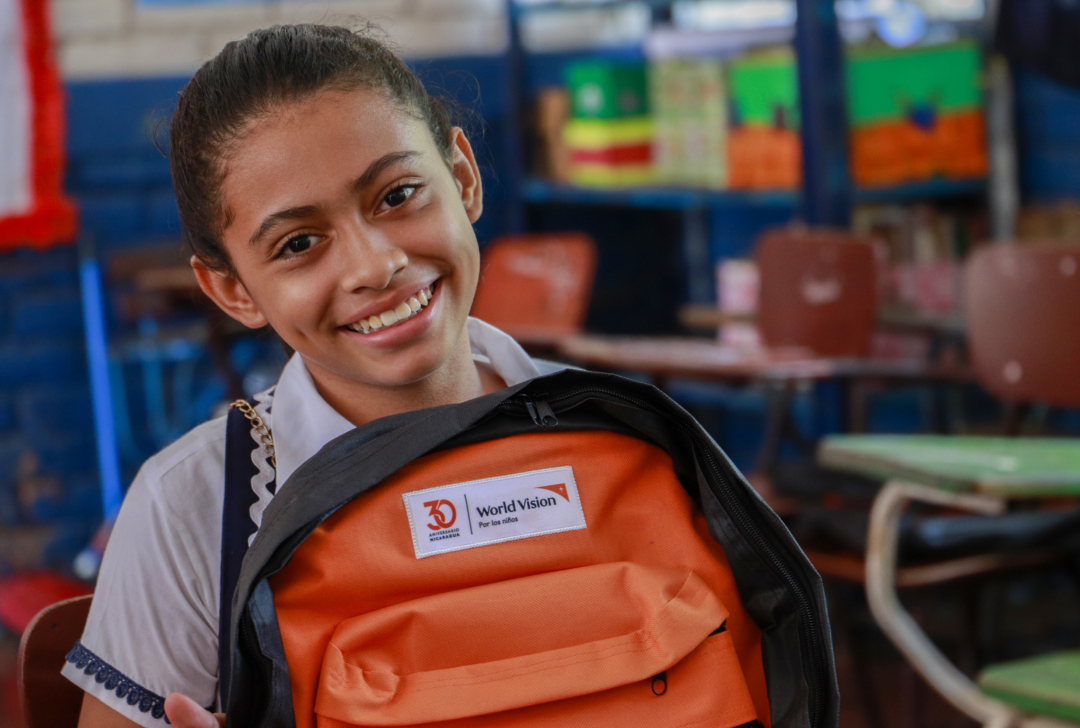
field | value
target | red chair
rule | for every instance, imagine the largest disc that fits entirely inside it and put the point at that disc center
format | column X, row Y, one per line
column 819, row 290
column 537, row 287
column 48, row 699
column 1023, row 305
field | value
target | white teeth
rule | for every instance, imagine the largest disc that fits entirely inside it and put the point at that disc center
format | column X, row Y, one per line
column 399, row 313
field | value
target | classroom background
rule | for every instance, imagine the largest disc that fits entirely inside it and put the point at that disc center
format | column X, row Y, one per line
column 844, row 235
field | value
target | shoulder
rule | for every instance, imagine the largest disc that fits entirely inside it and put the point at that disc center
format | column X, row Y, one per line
column 201, row 447
column 192, row 469
column 188, row 472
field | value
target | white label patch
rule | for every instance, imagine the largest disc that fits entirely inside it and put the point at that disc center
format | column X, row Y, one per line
column 493, row 510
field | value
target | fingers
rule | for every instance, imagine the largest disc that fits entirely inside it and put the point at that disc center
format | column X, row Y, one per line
column 183, row 712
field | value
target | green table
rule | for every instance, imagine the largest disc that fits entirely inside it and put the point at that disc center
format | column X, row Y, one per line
column 1047, row 684
column 978, row 474
column 1010, row 467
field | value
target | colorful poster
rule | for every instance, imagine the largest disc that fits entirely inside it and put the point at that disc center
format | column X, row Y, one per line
column 33, row 208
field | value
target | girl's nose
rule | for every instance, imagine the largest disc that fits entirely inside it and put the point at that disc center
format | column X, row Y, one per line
column 369, row 261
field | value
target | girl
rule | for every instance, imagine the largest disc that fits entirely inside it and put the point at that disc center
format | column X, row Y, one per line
column 327, row 195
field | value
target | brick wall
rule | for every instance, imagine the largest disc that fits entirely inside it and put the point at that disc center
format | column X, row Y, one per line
column 44, row 408
column 122, row 38
column 123, row 64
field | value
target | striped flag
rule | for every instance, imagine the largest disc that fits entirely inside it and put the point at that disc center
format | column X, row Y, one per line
column 33, row 208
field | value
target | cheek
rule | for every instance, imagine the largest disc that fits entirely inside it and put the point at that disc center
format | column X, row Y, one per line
column 443, row 233
column 466, row 267
column 297, row 299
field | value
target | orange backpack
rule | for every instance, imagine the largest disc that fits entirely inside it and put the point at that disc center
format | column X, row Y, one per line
column 571, row 551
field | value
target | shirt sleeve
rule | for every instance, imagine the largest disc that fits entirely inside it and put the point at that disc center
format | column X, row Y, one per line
column 152, row 627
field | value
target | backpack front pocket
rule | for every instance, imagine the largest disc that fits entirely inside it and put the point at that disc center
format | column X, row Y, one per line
column 555, row 636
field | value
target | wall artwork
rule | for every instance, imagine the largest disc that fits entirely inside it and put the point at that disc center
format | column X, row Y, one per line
column 33, row 209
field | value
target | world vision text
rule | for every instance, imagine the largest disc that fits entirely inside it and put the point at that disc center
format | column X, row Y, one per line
column 514, row 506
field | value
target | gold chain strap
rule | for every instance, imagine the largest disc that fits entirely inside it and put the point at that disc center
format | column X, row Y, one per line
column 259, row 427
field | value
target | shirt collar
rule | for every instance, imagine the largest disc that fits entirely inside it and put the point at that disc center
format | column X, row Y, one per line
column 302, row 421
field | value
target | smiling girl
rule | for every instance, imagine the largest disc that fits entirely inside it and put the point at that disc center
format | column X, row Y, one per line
column 324, row 193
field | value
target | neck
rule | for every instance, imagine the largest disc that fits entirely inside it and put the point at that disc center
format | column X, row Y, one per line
column 458, row 380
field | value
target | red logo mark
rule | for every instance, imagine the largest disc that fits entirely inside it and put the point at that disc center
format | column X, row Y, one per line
column 437, row 510
column 560, row 489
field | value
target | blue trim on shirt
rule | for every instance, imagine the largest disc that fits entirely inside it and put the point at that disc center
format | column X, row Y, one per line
column 116, row 681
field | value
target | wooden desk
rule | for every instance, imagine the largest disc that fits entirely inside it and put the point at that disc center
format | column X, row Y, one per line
column 667, row 357
column 710, row 318
column 541, row 342
column 978, row 474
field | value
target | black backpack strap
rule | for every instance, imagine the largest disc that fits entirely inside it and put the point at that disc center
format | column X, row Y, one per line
column 236, row 526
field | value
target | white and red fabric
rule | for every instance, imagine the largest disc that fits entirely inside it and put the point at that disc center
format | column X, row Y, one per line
column 33, row 208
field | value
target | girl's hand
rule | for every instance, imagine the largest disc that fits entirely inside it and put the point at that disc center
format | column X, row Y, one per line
column 183, row 712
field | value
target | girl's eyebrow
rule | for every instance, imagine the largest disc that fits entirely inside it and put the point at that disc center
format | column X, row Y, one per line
column 293, row 213
column 370, row 174
column 379, row 166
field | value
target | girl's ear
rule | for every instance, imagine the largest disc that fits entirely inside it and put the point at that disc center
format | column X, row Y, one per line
column 228, row 293
column 466, row 174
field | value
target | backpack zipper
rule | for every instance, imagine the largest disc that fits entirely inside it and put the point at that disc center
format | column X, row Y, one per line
column 252, row 644
column 540, row 411
column 744, row 521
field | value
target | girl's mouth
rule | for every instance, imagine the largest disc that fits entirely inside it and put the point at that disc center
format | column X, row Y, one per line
column 392, row 317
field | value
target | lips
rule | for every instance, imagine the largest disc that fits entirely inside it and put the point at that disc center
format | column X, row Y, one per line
column 396, row 315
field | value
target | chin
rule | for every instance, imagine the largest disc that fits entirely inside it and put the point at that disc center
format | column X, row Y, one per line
column 396, row 371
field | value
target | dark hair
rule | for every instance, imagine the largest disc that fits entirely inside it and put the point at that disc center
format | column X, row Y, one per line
column 247, row 79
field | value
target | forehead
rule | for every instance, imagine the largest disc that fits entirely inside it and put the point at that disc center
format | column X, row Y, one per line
column 300, row 148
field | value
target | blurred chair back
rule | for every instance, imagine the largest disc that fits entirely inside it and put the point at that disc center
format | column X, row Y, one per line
column 48, row 699
column 1023, row 321
column 537, row 287
column 819, row 290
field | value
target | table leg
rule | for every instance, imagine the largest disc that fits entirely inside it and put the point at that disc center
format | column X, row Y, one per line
column 776, row 425
column 855, row 396
column 898, row 625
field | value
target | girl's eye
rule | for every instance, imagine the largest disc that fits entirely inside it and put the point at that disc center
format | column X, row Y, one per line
column 399, row 195
column 297, row 245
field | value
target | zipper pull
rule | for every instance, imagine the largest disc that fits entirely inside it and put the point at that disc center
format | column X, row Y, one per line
column 659, row 683
column 540, row 411
column 547, row 415
column 532, row 409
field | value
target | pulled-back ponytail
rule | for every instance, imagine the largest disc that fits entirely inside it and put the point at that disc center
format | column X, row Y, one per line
column 245, row 81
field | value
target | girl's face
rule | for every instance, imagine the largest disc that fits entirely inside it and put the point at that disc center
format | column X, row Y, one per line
column 352, row 237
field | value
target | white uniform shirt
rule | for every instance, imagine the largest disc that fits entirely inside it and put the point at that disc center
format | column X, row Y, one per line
column 153, row 625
